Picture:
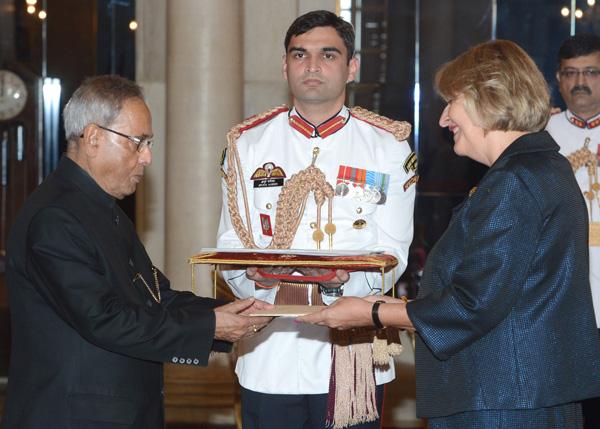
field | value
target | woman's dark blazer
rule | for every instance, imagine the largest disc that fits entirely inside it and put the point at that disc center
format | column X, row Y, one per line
column 504, row 315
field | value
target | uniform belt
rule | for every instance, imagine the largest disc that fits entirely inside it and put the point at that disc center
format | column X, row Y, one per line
column 294, row 293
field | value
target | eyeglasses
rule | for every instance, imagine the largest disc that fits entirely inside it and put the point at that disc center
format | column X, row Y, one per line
column 141, row 144
column 572, row 74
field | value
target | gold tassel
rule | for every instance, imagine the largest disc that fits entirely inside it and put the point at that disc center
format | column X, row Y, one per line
column 394, row 344
column 352, row 379
column 380, row 348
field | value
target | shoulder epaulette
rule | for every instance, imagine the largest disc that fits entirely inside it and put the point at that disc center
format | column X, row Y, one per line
column 555, row 110
column 399, row 129
column 253, row 121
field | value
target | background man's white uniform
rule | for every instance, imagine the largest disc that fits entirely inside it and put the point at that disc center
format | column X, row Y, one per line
column 568, row 132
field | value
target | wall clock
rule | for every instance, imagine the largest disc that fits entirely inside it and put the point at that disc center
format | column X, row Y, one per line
column 13, row 95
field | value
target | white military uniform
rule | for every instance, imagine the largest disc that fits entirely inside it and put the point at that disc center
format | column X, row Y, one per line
column 294, row 358
column 572, row 133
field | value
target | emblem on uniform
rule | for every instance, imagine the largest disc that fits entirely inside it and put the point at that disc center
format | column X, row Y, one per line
column 265, row 223
column 411, row 163
column 594, row 123
column 267, row 176
column 410, row 181
column 362, row 185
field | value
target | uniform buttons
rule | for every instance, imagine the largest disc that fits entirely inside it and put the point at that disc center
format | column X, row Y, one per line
column 269, row 206
column 359, row 210
column 316, row 151
column 196, row 361
column 182, row 360
column 188, row 361
column 313, row 225
column 175, row 359
column 587, row 139
column 359, row 224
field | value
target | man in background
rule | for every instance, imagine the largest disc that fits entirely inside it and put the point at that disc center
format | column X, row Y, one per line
column 577, row 131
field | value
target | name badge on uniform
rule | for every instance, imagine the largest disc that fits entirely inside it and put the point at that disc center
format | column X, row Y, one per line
column 362, row 185
column 268, row 176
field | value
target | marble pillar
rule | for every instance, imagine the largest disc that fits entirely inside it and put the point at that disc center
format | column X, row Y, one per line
column 265, row 25
column 204, row 100
column 151, row 74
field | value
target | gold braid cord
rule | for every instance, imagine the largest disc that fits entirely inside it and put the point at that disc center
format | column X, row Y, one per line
column 400, row 129
column 585, row 158
column 292, row 199
column 291, row 204
column 234, row 165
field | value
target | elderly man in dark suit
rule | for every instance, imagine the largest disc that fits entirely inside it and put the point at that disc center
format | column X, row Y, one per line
column 92, row 318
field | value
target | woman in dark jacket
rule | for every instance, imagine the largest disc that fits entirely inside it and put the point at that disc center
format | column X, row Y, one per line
column 506, row 334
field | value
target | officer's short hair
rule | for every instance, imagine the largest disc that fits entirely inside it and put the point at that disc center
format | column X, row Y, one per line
column 577, row 46
column 322, row 18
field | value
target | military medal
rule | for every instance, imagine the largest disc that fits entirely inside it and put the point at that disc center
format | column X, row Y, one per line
column 375, row 196
column 341, row 189
column 358, row 193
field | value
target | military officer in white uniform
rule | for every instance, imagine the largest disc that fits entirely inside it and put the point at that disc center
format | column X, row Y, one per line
column 285, row 370
column 577, row 131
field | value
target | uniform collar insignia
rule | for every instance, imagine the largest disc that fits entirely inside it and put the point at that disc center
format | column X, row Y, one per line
column 326, row 129
column 592, row 123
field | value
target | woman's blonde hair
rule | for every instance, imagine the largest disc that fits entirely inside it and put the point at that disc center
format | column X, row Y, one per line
column 502, row 87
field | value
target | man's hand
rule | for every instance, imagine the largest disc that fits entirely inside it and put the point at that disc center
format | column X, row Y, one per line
column 232, row 322
column 252, row 274
column 341, row 276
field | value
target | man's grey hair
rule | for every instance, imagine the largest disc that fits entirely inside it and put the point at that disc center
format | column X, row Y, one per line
column 99, row 101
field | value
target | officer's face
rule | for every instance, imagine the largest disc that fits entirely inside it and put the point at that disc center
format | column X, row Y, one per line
column 581, row 92
column 316, row 68
column 117, row 166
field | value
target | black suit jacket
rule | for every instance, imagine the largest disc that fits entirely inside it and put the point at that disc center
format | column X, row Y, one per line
column 88, row 340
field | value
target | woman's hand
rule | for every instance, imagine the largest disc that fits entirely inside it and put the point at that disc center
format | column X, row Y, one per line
column 351, row 312
column 344, row 313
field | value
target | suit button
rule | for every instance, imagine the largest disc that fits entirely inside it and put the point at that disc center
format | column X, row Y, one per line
column 188, row 361
column 148, row 303
column 182, row 360
column 174, row 359
column 196, row 361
